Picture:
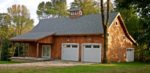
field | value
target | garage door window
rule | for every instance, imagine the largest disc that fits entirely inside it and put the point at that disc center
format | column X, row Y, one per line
column 96, row 46
column 88, row 46
column 68, row 46
column 74, row 46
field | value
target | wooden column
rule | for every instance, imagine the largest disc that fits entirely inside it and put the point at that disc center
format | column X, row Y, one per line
column 28, row 49
column 37, row 50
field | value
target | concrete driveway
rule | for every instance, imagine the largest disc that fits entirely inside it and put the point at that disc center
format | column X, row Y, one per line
column 45, row 64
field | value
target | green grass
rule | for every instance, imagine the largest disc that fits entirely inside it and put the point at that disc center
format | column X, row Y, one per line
column 95, row 68
column 8, row 62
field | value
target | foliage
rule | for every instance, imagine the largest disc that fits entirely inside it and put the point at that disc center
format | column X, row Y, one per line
column 20, row 19
column 5, row 56
column 49, row 8
column 87, row 6
column 142, row 53
column 111, row 6
column 5, row 33
column 131, row 20
column 17, row 21
column 136, row 16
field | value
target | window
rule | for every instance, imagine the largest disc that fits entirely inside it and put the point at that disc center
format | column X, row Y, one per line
column 87, row 46
column 68, row 46
column 116, row 23
column 129, row 49
column 96, row 46
column 74, row 46
column 80, row 12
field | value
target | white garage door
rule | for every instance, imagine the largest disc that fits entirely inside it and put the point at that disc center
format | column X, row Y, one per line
column 129, row 54
column 70, row 51
column 91, row 52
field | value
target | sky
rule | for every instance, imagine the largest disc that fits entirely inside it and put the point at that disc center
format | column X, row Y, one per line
column 30, row 4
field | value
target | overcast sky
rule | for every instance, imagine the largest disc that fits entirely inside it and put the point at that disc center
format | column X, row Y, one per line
column 30, row 4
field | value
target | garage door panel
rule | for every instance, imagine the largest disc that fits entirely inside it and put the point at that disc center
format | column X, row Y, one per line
column 91, row 53
column 71, row 52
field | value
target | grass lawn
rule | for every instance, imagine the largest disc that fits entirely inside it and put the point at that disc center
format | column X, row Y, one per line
column 96, row 68
column 8, row 62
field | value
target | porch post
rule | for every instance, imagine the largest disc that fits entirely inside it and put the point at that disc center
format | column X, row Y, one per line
column 37, row 50
column 28, row 50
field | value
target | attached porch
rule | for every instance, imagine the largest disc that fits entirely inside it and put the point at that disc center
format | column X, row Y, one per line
column 32, row 49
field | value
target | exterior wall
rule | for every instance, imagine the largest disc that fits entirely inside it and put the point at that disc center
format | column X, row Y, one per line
column 32, row 50
column 57, row 43
column 46, row 40
column 117, row 43
column 56, row 47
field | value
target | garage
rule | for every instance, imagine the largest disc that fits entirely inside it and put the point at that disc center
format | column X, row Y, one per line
column 91, row 52
column 70, row 51
column 129, row 54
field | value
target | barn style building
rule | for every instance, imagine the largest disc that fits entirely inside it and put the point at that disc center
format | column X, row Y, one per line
column 78, row 38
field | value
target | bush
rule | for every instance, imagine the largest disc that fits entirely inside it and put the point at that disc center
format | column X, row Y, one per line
column 5, row 56
column 142, row 53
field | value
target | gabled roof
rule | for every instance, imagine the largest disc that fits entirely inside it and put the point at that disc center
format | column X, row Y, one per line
column 89, row 24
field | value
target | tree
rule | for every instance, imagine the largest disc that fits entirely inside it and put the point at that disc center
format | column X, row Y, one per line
column 87, row 6
column 111, row 6
column 17, row 21
column 136, row 15
column 20, row 19
column 5, row 33
column 56, row 8
column 105, row 27
column 131, row 19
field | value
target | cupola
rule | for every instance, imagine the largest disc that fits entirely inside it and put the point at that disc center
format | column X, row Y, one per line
column 75, row 12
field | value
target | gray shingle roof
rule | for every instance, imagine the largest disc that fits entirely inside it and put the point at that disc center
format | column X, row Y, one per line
column 75, row 9
column 32, row 36
column 90, row 24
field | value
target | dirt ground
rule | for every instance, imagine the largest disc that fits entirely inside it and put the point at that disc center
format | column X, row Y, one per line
column 44, row 64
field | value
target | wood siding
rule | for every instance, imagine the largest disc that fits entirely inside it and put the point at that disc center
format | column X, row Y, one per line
column 32, row 50
column 56, row 47
column 46, row 40
column 118, row 42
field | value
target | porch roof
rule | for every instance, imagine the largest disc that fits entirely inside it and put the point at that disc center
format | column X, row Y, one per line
column 32, row 36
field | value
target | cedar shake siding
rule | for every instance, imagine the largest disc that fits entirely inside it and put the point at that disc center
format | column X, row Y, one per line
column 118, row 42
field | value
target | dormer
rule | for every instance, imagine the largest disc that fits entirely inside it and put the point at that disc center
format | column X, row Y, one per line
column 75, row 12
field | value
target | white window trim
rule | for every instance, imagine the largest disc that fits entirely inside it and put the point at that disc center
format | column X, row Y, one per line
column 63, row 44
column 49, row 52
column 92, row 44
